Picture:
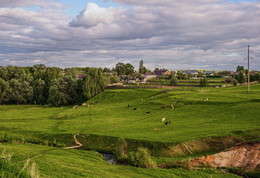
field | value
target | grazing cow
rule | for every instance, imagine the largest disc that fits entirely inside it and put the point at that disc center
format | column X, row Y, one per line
column 91, row 106
column 169, row 122
column 205, row 99
column 163, row 107
column 129, row 105
column 75, row 107
column 163, row 119
column 166, row 123
column 148, row 113
column 135, row 109
column 84, row 104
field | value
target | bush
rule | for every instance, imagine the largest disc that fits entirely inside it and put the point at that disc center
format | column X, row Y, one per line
column 142, row 158
column 204, row 82
column 174, row 81
column 234, row 82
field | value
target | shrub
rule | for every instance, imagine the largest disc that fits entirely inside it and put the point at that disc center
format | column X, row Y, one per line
column 174, row 81
column 234, row 82
column 204, row 82
column 142, row 158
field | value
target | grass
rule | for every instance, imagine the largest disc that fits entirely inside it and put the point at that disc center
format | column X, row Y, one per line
column 229, row 111
column 53, row 162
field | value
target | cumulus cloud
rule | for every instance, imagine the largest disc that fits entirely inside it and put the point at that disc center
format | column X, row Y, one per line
column 94, row 15
column 165, row 33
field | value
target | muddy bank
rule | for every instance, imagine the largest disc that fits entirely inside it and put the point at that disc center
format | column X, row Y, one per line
column 245, row 156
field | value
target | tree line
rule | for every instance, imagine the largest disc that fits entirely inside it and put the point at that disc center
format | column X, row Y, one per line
column 50, row 85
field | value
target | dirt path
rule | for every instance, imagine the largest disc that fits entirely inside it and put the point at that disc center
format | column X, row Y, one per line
column 78, row 144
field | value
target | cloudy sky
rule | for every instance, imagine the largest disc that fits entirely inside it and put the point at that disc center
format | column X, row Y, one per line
column 174, row 34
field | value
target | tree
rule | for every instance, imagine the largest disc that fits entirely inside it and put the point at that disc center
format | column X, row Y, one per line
column 141, row 67
column 94, row 82
column 181, row 75
column 73, row 72
column 3, row 73
column 21, row 91
column 4, row 91
column 174, row 81
column 129, row 69
column 113, row 79
column 39, row 89
column 63, row 91
column 240, row 68
column 234, row 82
column 241, row 77
column 120, row 68
column 204, row 82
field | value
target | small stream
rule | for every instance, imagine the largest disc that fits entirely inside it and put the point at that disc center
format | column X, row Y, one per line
column 110, row 158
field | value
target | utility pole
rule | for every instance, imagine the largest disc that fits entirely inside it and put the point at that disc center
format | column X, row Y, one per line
column 248, row 71
column 248, row 68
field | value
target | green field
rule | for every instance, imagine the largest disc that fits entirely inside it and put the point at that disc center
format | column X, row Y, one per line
column 30, row 130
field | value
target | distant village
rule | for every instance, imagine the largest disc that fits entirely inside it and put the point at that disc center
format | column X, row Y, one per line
column 126, row 74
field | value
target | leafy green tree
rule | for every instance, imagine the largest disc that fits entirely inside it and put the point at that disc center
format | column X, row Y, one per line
column 113, row 79
column 4, row 91
column 204, row 82
column 181, row 75
column 73, row 72
column 21, row 91
column 240, row 68
column 3, row 73
column 241, row 77
column 129, row 69
column 120, row 68
column 94, row 82
column 174, row 81
column 234, row 82
column 38, row 71
column 39, row 91
column 63, row 91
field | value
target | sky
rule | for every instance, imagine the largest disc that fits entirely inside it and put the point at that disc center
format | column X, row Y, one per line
column 172, row 34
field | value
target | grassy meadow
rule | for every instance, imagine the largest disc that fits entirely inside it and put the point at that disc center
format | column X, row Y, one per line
column 39, row 132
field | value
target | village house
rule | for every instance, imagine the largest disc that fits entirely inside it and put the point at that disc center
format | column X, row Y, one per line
column 208, row 73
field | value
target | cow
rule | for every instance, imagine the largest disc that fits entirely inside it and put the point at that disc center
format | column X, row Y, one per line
column 129, row 105
column 205, row 99
column 148, row 113
column 91, row 106
column 166, row 123
column 163, row 107
column 163, row 119
column 135, row 109
column 84, row 104
column 75, row 107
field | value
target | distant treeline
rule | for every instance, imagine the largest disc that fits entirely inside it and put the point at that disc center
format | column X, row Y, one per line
column 50, row 85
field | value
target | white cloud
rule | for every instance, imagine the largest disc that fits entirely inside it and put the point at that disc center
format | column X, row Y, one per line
column 94, row 15
column 170, row 33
